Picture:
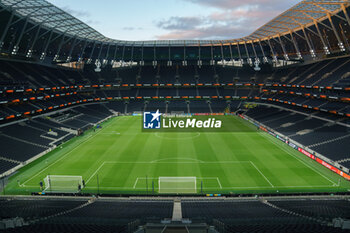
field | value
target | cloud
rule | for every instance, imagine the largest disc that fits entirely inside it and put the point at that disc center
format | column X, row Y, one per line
column 230, row 4
column 76, row 13
column 132, row 28
column 80, row 14
column 208, row 33
column 176, row 23
column 230, row 19
column 211, row 27
column 219, row 25
column 92, row 22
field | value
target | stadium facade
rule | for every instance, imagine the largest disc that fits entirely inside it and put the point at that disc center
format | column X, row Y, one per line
column 39, row 31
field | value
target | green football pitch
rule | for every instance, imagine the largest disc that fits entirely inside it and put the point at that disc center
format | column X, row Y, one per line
column 120, row 159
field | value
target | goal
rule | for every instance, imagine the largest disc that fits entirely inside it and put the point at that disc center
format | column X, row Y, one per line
column 63, row 184
column 177, row 185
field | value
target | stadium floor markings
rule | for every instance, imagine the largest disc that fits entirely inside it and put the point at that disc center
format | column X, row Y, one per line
column 275, row 187
column 300, row 160
column 177, row 158
column 217, row 178
column 180, row 138
column 238, row 187
column 99, row 168
column 261, row 173
column 198, row 178
column 136, row 182
column 110, row 133
column 158, row 162
column 150, row 162
column 223, row 188
column 155, row 162
column 93, row 174
column 63, row 156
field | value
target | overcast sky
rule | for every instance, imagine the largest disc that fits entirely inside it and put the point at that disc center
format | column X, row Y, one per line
column 175, row 19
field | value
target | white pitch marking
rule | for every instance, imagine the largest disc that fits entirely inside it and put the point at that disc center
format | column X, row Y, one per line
column 181, row 138
column 269, row 187
column 95, row 172
column 262, row 174
column 219, row 182
column 110, row 133
column 99, row 169
column 136, row 182
column 113, row 188
column 198, row 178
column 180, row 158
column 28, row 186
column 199, row 161
column 300, row 160
column 252, row 187
column 87, row 139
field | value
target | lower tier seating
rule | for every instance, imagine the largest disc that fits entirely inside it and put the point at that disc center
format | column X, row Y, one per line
column 226, row 215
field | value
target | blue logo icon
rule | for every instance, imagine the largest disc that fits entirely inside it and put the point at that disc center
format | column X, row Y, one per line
column 151, row 120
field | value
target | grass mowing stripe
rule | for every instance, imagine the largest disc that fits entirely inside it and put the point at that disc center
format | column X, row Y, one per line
column 122, row 156
column 219, row 182
column 252, row 145
column 95, row 172
column 261, row 173
column 63, row 156
column 314, row 169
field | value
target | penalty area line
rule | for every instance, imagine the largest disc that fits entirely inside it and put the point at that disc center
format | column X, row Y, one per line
column 95, row 172
column 299, row 159
column 224, row 188
column 78, row 146
column 262, row 174
column 217, row 178
column 111, row 162
column 136, row 182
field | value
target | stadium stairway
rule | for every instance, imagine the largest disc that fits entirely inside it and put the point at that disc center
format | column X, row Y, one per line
column 7, row 164
column 323, row 209
column 89, row 202
column 10, row 160
column 25, row 141
column 320, row 221
column 329, row 141
column 343, row 160
column 177, row 211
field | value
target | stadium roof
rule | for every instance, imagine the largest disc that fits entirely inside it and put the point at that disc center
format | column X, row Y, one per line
column 304, row 14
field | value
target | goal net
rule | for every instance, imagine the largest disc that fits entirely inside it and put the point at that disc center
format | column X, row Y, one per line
column 177, row 185
column 63, row 184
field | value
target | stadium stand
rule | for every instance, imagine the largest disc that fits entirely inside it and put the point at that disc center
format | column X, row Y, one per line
column 290, row 77
column 315, row 133
column 325, row 137
column 122, row 215
column 35, row 136
column 7, row 164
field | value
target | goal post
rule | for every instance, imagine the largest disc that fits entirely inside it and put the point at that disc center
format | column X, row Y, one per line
column 177, row 184
column 63, row 184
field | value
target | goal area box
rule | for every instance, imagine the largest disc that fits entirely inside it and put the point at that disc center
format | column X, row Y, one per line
column 177, row 185
column 63, row 184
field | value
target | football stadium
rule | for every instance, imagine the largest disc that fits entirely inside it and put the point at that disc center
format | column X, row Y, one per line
column 250, row 134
